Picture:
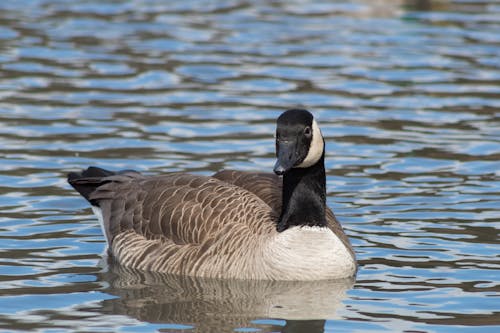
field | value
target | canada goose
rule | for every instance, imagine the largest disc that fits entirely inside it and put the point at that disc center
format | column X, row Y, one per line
column 233, row 224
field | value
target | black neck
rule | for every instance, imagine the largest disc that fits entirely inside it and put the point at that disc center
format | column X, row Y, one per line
column 304, row 197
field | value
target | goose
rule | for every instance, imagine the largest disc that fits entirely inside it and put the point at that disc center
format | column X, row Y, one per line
column 231, row 225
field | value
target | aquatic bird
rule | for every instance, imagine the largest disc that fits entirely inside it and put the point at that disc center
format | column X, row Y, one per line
column 233, row 224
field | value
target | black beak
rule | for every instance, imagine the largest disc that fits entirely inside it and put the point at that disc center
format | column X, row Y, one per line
column 286, row 157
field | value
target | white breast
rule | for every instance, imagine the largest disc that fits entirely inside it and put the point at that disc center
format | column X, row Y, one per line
column 309, row 253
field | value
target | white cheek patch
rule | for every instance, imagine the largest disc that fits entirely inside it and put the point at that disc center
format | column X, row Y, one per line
column 315, row 150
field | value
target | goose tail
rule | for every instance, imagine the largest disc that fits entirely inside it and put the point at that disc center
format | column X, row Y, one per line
column 86, row 181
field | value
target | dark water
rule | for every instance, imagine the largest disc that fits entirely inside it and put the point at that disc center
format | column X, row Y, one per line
column 408, row 97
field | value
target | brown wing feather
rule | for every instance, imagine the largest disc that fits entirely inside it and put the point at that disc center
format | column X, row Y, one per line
column 181, row 223
column 266, row 186
column 181, row 207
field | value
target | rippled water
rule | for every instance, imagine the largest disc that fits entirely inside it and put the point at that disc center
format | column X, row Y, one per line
column 407, row 94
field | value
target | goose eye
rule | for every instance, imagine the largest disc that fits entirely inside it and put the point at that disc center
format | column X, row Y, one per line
column 307, row 131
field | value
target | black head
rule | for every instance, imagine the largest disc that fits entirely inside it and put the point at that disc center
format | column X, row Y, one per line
column 299, row 143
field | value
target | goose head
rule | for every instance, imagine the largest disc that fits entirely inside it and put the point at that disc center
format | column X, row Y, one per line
column 299, row 143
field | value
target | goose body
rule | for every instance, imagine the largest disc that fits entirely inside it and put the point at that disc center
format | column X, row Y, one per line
column 232, row 224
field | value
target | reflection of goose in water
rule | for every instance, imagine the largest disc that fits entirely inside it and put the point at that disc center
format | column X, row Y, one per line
column 222, row 305
column 233, row 224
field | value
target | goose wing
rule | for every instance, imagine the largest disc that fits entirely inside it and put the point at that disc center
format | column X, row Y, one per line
column 184, row 208
column 180, row 223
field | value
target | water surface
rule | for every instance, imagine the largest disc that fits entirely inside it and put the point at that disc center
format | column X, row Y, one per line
column 406, row 93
